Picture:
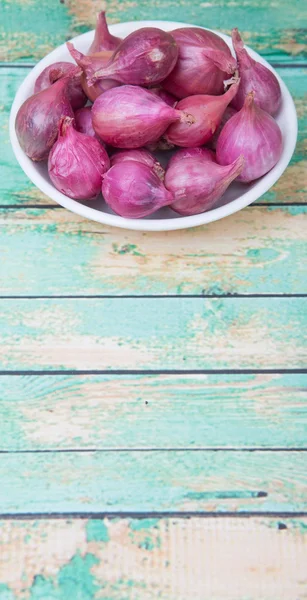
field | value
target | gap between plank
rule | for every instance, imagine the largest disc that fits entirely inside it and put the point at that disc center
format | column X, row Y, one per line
column 151, row 515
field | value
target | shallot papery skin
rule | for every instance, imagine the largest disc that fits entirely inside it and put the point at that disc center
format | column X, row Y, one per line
column 204, row 62
column 256, row 78
column 131, row 117
column 144, row 57
column 77, row 163
column 197, row 183
column 38, row 118
column 133, row 190
column 84, row 122
column 164, row 95
column 103, row 39
column 89, row 64
column 207, row 113
column 139, row 155
column 57, row 71
column 229, row 112
column 197, row 153
column 253, row 133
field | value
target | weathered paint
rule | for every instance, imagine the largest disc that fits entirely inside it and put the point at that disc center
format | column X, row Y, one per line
column 30, row 29
column 97, row 531
column 157, row 411
column 157, row 480
column 197, row 559
column 149, row 333
column 257, row 250
column 74, row 580
column 260, row 250
column 15, row 187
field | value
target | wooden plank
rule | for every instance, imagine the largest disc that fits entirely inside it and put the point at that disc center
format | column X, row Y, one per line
column 161, row 411
column 146, row 333
column 258, row 250
column 195, row 559
column 30, row 30
column 153, row 481
column 15, row 188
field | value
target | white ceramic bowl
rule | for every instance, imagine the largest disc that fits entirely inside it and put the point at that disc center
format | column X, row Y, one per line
column 236, row 197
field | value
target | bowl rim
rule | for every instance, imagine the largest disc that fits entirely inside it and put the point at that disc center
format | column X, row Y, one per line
column 164, row 224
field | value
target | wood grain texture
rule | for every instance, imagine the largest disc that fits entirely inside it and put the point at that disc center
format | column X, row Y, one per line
column 153, row 481
column 15, row 187
column 195, row 559
column 130, row 412
column 55, row 252
column 51, row 423
column 138, row 333
column 31, row 29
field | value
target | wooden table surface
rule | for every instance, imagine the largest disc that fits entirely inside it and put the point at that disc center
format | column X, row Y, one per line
column 153, row 386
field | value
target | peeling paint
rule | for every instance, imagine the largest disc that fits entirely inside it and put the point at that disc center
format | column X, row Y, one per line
column 97, row 531
column 253, row 554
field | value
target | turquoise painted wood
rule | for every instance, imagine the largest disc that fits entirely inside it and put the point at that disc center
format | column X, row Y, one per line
column 149, row 333
column 153, row 481
column 31, row 29
column 15, row 188
column 143, row 443
column 157, row 411
column 126, row 559
column 258, row 250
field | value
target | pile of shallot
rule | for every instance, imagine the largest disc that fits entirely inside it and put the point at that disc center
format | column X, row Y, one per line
column 98, row 122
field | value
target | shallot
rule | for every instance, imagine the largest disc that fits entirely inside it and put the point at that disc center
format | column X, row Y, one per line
column 144, row 57
column 197, row 153
column 103, row 40
column 89, row 64
column 204, row 62
column 207, row 113
column 164, row 95
column 57, row 71
column 133, row 190
column 84, row 122
column 198, row 182
column 38, row 118
column 152, row 91
column 229, row 112
column 253, row 133
column 256, row 78
column 131, row 117
column 77, row 163
column 139, row 155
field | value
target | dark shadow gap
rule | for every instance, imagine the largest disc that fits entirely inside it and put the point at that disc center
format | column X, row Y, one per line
column 153, row 515
column 157, row 372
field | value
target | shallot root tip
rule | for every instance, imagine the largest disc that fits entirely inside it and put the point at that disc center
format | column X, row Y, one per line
column 187, row 118
column 249, row 98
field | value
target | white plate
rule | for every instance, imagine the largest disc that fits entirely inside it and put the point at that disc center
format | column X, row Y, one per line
column 236, row 197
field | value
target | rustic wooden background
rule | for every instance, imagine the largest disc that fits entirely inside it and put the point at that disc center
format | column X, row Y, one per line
column 153, row 386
